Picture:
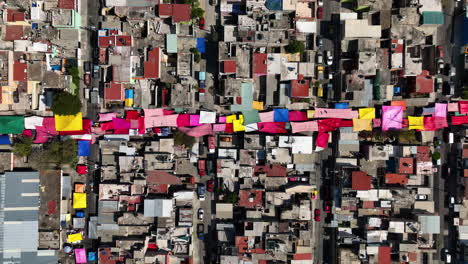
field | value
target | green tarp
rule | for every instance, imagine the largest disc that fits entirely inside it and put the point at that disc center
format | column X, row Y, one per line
column 251, row 117
column 11, row 124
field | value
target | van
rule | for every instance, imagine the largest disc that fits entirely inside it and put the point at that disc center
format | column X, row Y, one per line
column 319, row 58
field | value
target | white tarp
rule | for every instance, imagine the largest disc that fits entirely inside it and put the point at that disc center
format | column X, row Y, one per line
column 207, row 117
column 31, row 122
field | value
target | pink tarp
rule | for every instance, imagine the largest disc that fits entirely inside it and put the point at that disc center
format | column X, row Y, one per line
column 80, row 255
column 322, row 140
column 330, row 124
column 103, row 117
column 120, row 123
column 272, row 127
column 154, row 112
column 392, row 117
column 195, row 120
column 440, row 110
column 199, row 131
column 453, row 107
column 298, row 127
column 222, row 119
column 335, row 113
column 161, row 121
column 219, row 127
column 459, row 120
column 183, row 120
column 266, row 116
column 463, row 107
column 297, row 116
column 376, row 122
column 46, row 131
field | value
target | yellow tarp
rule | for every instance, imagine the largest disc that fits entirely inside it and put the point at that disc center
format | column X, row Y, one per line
column 257, row 105
column 69, row 122
column 362, row 124
column 75, row 237
column 366, row 113
column 238, row 125
column 129, row 102
column 310, row 113
column 79, row 200
column 416, row 122
column 230, row 118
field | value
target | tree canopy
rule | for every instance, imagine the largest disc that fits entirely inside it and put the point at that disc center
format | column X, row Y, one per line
column 65, row 103
column 55, row 153
column 183, row 139
column 231, row 197
column 22, row 146
column 197, row 12
column 295, row 46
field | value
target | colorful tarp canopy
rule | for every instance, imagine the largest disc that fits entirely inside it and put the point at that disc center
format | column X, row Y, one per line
column 392, row 117
column 84, row 148
column 309, row 126
column 251, row 117
column 416, row 122
column 272, row 127
column 281, row 115
column 440, row 110
column 81, row 169
column 161, row 121
column 107, row 116
column 366, row 113
column 207, row 117
column 335, row 113
column 322, row 140
column 31, row 122
column 79, row 200
column 86, row 129
column 362, row 124
column 11, row 124
column 80, row 255
column 75, row 238
column 297, row 116
column 199, row 131
column 267, row 116
column 69, row 122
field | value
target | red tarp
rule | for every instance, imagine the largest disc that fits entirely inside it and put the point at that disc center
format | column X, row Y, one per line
column 86, row 129
column 327, row 125
column 132, row 115
column 183, row 120
column 463, row 107
column 322, row 140
column 346, row 123
column 107, row 126
column 141, row 125
column 168, row 112
column 432, row 123
column 297, row 116
column 81, row 169
column 459, row 120
column 199, row 131
column 229, row 128
column 272, row 127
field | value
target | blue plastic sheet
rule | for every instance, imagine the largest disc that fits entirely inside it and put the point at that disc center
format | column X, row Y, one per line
column 281, row 115
column 5, row 140
column 201, row 45
column 83, row 148
column 341, row 106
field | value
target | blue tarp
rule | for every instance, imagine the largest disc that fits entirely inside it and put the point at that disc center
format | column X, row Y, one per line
column 5, row 140
column 91, row 256
column 281, row 115
column 83, row 148
column 56, row 67
column 275, row 5
column 341, row 105
column 201, row 45
column 129, row 94
column 236, row 8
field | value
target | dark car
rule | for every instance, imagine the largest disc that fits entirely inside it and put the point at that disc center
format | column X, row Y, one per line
column 210, row 186
column 201, row 231
column 87, row 66
column 96, row 72
column 319, row 13
column 87, row 79
column 319, row 42
column 15, row 97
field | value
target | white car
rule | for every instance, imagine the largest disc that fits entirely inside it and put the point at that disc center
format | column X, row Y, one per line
column 201, row 213
column 329, row 57
column 320, row 2
column 319, row 58
column 440, row 66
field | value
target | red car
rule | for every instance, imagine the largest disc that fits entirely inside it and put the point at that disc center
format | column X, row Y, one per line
column 201, row 167
column 210, row 185
column 317, row 215
column 87, row 79
column 440, row 51
column 327, row 207
column 319, row 13
column 201, row 23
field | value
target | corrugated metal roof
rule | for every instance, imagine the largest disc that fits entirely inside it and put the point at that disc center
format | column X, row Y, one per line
column 433, row 18
column 430, row 224
column 171, row 43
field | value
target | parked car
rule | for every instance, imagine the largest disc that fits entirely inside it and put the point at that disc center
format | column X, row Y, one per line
column 201, row 167
column 440, row 66
column 329, row 56
column 16, row 96
column 320, row 69
column 421, row 197
column 320, row 2
column 95, row 96
column 87, row 67
column 201, row 192
column 319, row 41
column 96, row 72
column 201, row 213
column 210, row 185
column 201, row 23
column 317, row 215
column 327, row 207
column 440, row 51
column 320, row 13
column 87, row 78
column 446, row 256
column 201, row 231
column 319, row 58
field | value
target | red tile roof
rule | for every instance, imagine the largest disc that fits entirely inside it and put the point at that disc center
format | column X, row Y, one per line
column 302, row 256
column 20, row 71
column 361, row 181
column 165, row 10
column 161, row 177
column 229, row 66
column 271, row 170
column 106, row 41
column 465, row 151
column 398, row 46
column 113, row 92
column 15, row 15
column 384, row 255
column 260, row 64
column 406, row 165
column 158, row 188
column 300, row 88
column 424, row 83
column 66, row 4
column 251, row 198
column 368, row 204
column 13, row 32
column 102, row 55
column 424, row 153
column 105, row 256
column 180, row 12
column 242, row 245
column 151, row 67
column 123, row 40
column 395, row 178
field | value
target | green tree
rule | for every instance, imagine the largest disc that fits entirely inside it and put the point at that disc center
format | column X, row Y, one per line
column 436, row 155
column 55, row 154
column 75, row 73
column 231, row 197
column 65, row 103
column 182, row 139
column 22, row 146
column 197, row 12
column 295, row 46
